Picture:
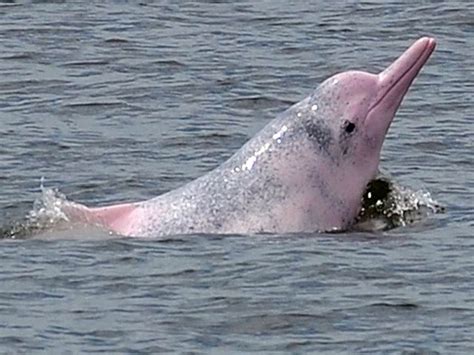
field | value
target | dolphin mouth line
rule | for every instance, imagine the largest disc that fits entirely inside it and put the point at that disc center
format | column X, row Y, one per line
column 423, row 56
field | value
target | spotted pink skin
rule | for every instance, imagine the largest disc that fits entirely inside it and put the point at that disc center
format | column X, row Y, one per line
column 369, row 101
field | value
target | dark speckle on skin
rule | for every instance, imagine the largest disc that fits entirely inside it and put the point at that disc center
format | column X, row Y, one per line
column 319, row 132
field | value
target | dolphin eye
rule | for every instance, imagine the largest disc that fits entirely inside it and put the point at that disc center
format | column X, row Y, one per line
column 349, row 127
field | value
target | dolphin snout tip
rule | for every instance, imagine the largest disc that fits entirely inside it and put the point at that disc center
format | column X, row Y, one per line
column 430, row 42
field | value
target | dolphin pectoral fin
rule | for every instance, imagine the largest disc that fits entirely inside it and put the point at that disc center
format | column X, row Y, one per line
column 113, row 218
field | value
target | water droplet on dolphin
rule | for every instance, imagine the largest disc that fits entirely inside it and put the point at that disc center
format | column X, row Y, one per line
column 249, row 163
column 279, row 134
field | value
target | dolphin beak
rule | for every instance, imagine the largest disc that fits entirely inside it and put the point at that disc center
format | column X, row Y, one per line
column 395, row 81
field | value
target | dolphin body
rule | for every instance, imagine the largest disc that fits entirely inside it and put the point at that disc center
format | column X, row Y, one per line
column 305, row 171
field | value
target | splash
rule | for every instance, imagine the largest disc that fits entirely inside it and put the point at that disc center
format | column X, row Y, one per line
column 387, row 205
column 46, row 214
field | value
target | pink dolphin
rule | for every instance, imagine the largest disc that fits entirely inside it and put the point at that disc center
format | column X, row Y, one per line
column 305, row 171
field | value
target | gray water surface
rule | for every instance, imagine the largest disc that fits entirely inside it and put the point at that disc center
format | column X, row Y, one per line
column 115, row 101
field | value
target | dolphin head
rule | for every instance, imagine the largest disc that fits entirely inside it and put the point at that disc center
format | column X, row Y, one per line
column 345, row 121
column 359, row 107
